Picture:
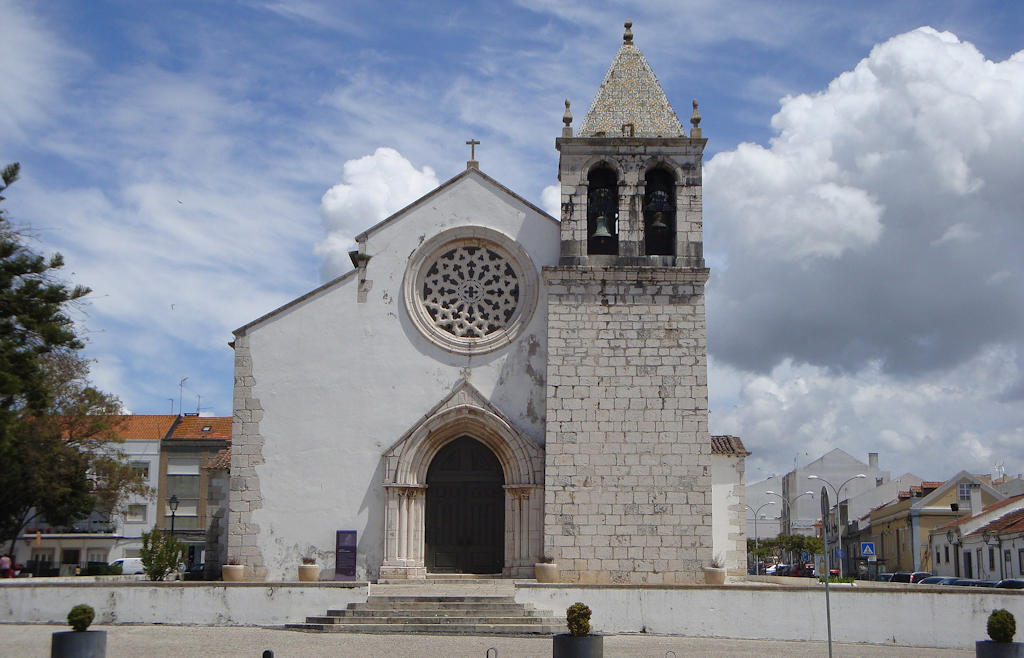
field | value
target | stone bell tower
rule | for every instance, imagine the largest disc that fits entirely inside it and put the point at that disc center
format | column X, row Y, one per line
column 628, row 455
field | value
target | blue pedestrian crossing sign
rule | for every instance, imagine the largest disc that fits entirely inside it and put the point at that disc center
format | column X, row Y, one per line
column 867, row 548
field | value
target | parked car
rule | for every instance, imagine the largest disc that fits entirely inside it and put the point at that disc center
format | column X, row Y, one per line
column 782, row 570
column 937, row 580
column 901, row 577
column 918, row 576
column 971, row 582
column 129, row 565
column 884, row 577
column 1011, row 583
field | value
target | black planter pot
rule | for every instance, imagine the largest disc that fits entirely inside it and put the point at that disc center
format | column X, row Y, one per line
column 79, row 644
column 990, row 649
column 564, row 645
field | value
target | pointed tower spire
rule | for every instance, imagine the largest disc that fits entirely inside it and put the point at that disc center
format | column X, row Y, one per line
column 630, row 102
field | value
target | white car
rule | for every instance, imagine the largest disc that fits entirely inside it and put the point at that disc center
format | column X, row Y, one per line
column 129, row 565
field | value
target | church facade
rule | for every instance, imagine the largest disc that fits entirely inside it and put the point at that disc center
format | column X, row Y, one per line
column 489, row 385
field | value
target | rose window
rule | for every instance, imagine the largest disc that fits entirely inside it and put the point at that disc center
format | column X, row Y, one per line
column 470, row 291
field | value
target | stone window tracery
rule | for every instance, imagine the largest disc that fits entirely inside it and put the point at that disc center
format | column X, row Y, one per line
column 470, row 290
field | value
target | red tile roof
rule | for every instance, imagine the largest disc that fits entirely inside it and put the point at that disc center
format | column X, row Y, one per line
column 220, row 462
column 1012, row 522
column 994, row 506
column 203, row 427
column 143, row 427
column 728, row 445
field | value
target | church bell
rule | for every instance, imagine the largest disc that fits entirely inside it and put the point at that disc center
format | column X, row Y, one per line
column 658, row 206
column 601, row 227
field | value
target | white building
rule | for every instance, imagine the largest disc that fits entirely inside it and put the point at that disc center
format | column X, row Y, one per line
column 490, row 384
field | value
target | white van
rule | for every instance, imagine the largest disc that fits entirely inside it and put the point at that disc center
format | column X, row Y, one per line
column 129, row 565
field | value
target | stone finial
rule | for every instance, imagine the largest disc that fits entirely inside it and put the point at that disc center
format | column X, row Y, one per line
column 695, row 120
column 567, row 120
column 628, row 36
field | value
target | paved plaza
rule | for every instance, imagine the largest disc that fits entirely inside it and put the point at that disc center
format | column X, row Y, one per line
column 32, row 641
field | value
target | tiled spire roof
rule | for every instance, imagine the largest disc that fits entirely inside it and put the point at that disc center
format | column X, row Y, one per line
column 631, row 96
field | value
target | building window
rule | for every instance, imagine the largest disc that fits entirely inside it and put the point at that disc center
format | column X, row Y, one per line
column 964, row 489
column 97, row 556
column 991, row 558
column 135, row 514
column 938, row 557
column 945, row 550
column 1020, row 561
column 44, row 556
column 142, row 468
column 183, row 482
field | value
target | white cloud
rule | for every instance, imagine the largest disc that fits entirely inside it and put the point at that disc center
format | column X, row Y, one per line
column 917, row 424
column 372, row 188
column 551, row 200
column 32, row 70
column 873, row 225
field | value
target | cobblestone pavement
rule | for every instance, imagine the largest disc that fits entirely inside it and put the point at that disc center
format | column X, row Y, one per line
column 32, row 641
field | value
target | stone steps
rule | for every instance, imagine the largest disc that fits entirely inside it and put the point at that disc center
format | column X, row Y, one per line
column 436, row 614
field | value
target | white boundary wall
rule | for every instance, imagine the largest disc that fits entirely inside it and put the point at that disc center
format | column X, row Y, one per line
column 943, row 617
column 199, row 603
column 940, row 617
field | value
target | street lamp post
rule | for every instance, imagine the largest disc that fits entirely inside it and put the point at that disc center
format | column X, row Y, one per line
column 839, row 525
column 173, row 503
column 757, row 569
column 787, row 511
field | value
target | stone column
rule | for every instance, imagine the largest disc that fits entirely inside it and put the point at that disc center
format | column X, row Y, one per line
column 403, row 532
column 523, row 517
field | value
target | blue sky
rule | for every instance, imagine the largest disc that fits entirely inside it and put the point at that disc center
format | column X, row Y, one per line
column 862, row 202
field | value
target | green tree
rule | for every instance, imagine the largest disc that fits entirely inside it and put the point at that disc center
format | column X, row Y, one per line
column 58, row 449
column 33, row 318
column 161, row 554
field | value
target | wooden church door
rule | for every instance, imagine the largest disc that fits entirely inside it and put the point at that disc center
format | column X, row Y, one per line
column 465, row 510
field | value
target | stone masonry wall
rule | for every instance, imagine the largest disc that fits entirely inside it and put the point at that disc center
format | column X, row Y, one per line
column 246, row 454
column 628, row 455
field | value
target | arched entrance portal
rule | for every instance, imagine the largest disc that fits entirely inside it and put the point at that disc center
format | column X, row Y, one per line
column 465, row 509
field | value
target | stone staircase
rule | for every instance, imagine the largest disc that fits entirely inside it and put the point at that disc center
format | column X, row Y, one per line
column 441, row 607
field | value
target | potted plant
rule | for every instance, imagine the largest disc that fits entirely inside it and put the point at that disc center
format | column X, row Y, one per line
column 578, row 642
column 1001, row 628
column 546, row 570
column 79, row 643
column 715, row 573
column 232, row 572
column 309, row 570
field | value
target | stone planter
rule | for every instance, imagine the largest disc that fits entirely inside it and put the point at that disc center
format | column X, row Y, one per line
column 990, row 649
column 714, row 575
column 309, row 573
column 564, row 645
column 546, row 572
column 232, row 573
column 79, row 644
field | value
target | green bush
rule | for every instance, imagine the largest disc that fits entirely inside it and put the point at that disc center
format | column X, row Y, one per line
column 577, row 617
column 81, row 616
column 1001, row 625
column 161, row 554
column 837, row 579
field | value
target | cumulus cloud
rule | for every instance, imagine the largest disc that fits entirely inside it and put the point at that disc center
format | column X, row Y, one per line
column 875, row 227
column 803, row 409
column 372, row 187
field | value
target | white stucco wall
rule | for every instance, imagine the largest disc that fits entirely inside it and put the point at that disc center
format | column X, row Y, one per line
column 229, row 604
column 340, row 381
column 943, row 617
column 728, row 512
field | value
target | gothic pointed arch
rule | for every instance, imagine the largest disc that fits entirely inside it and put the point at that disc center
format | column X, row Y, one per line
column 463, row 412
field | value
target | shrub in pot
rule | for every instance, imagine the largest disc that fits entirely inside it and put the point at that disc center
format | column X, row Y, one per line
column 715, row 573
column 309, row 571
column 545, row 570
column 233, row 571
column 578, row 642
column 80, row 642
column 1001, row 628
